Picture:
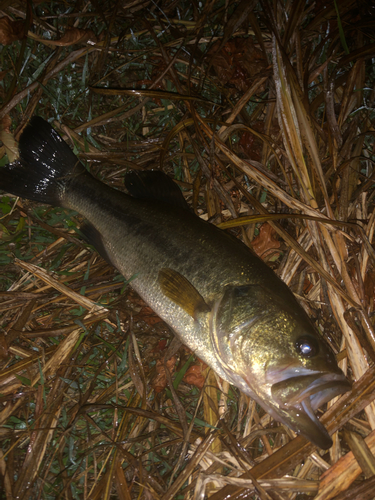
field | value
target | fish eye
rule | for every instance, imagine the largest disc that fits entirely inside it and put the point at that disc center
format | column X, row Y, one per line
column 307, row 346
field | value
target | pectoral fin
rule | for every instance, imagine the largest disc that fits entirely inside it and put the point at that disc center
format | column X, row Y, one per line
column 177, row 288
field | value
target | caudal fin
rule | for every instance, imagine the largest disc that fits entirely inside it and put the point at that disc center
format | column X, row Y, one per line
column 45, row 167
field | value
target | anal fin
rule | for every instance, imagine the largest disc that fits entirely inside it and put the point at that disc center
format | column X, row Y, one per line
column 94, row 238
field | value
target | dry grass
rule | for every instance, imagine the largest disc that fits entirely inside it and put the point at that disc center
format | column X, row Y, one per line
column 258, row 110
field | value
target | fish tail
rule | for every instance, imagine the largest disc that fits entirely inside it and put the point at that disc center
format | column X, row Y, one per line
column 45, row 168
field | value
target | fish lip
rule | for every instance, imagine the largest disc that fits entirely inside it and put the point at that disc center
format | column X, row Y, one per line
column 317, row 386
column 297, row 407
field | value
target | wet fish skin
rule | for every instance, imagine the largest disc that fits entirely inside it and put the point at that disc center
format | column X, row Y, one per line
column 222, row 300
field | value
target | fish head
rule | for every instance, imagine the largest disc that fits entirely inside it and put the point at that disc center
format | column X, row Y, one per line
column 267, row 346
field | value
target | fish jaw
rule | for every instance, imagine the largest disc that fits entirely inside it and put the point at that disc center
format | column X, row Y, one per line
column 294, row 400
column 297, row 398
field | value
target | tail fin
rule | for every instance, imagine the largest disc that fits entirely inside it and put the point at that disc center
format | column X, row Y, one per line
column 45, row 167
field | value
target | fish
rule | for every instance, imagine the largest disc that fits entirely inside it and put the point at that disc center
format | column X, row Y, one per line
column 219, row 298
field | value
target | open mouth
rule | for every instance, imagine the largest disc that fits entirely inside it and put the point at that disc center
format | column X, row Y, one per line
column 299, row 397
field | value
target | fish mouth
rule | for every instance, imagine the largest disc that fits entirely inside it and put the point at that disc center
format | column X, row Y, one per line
column 299, row 397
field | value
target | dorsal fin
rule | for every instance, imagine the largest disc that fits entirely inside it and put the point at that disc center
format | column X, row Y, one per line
column 154, row 185
column 179, row 289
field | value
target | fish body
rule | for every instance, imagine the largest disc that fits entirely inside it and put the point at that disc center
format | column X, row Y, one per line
column 221, row 300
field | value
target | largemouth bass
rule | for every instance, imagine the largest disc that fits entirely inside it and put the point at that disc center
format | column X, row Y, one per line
column 221, row 300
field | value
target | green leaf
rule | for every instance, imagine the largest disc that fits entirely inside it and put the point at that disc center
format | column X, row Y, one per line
column 24, row 380
column 341, row 30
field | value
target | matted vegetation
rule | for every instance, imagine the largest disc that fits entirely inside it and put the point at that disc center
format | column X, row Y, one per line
column 264, row 115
